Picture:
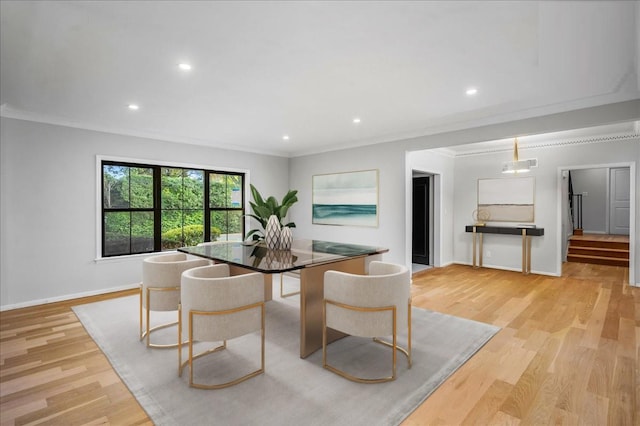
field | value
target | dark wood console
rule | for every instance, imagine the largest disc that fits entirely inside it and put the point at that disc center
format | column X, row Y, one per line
column 525, row 232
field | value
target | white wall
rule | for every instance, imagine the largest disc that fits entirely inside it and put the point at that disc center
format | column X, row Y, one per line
column 48, row 195
column 48, row 200
column 395, row 167
column 391, row 197
column 459, row 181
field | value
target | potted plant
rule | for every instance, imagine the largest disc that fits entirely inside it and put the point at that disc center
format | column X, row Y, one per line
column 263, row 209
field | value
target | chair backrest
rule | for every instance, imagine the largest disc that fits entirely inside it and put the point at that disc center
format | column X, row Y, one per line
column 210, row 288
column 166, row 270
column 387, row 284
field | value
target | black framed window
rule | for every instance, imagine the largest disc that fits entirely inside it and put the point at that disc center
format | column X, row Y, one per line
column 226, row 201
column 152, row 208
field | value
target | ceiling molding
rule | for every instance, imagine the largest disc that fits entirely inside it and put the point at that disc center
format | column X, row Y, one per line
column 478, row 148
column 549, row 144
column 7, row 111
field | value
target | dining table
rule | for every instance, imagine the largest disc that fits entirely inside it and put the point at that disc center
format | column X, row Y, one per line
column 311, row 258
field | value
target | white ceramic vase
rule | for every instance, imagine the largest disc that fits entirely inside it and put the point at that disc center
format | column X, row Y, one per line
column 286, row 238
column 272, row 233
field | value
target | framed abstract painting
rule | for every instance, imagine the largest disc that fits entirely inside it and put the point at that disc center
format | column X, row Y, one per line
column 507, row 199
column 346, row 199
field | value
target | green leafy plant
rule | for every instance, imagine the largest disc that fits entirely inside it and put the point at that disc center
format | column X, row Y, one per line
column 264, row 208
column 189, row 235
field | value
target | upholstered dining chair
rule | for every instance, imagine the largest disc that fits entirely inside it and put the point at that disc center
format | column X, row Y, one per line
column 160, row 290
column 216, row 307
column 374, row 305
column 294, row 274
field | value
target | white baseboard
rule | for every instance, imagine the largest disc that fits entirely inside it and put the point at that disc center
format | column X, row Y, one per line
column 66, row 297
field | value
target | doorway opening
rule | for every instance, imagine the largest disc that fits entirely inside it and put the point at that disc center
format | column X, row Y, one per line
column 598, row 231
column 422, row 222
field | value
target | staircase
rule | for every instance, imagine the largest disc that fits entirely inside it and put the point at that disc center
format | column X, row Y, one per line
column 599, row 249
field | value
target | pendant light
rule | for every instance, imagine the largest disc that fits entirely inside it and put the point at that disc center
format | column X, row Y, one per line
column 516, row 166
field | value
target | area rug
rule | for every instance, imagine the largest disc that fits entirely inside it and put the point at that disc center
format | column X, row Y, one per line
column 292, row 391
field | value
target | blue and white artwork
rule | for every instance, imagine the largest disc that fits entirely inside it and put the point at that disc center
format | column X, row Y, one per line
column 346, row 198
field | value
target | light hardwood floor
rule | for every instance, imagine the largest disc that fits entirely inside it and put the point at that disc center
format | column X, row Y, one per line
column 567, row 354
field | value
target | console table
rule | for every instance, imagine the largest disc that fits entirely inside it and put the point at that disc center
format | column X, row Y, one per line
column 526, row 233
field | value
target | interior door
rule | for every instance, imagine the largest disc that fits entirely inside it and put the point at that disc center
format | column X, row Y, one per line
column 420, row 251
column 620, row 194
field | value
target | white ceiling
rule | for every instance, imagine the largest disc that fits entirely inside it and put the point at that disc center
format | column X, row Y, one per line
column 306, row 69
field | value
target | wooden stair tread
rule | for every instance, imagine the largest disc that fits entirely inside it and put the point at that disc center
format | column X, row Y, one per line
column 594, row 257
column 600, row 260
column 618, row 245
column 599, row 251
column 612, row 250
column 600, row 238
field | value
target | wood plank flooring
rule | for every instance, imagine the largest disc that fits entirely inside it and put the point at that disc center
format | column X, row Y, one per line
column 567, row 354
column 51, row 371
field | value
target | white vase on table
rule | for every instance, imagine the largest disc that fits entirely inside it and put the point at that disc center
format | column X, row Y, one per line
column 272, row 233
column 286, row 238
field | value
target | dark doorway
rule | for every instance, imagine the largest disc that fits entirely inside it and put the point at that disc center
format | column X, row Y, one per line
column 420, row 251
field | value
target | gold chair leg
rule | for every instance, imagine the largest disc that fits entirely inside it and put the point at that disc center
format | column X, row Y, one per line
column 145, row 332
column 141, row 333
column 361, row 379
column 282, row 293
column 148, row 334
column 409, row 332
column 182, row 364
column 180, row 339
column 394, row 346
column 407, row 351
column 193, row 357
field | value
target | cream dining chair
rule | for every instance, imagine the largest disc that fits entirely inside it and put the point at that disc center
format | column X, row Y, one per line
column 374, row 305
column 160, row 290
column 294, row 274
column 216, row 307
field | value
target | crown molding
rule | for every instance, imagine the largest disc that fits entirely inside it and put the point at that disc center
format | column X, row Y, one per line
column 8, row 112
column 585, row 140
column 475, row 148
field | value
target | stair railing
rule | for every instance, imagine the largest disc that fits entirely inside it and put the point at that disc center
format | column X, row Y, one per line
column 577, row 211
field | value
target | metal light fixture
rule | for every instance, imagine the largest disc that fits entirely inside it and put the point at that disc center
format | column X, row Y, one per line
column 516, row 166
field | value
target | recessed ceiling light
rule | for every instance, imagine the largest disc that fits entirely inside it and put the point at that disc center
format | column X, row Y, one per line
column 356, row 120
column 133, row 107
column 184, row 66
column 285, row 138
column 471, row 91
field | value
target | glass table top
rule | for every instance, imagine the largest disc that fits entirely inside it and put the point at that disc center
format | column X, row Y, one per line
column 303, row 254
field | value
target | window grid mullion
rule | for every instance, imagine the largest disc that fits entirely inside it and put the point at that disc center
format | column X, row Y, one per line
column 207, row 206
column 157, row 209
